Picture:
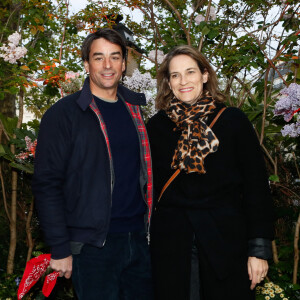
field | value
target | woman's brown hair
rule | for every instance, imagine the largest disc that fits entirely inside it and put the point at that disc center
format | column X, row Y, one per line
column 165, row 94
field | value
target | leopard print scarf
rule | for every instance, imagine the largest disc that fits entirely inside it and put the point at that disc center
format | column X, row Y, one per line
column 197, row 140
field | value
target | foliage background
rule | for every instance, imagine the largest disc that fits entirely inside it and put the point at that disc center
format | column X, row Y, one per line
column 253, row 46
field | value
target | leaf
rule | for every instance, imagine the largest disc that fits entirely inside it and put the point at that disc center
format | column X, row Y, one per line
column 41, row 28
column 28, row 168
column 274, row 178
column 212, row 34
column 2, row 150
column 25, row 68
column 205, row 30
column 33, row 30
column 9, row 123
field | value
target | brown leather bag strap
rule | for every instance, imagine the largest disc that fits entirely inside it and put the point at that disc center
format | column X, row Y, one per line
column 178, row 170
column 216, row 117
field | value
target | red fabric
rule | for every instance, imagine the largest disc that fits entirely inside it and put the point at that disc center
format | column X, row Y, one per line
column 35, row 268
column 49, row 283
column 137, row 116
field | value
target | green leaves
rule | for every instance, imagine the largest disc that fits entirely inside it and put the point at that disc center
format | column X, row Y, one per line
column 9, row 124
column 274, row 178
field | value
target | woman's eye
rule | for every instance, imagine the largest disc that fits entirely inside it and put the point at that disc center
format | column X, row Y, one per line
column 174, row 76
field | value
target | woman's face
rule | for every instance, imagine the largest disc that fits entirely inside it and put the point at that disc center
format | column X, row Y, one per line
column 186, row 80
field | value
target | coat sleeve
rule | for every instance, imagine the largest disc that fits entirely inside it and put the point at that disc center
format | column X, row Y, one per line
column 52, row 152
column 257, row 201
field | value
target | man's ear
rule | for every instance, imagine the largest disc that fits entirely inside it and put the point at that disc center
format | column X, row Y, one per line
column 123, row 65
column 86, row 66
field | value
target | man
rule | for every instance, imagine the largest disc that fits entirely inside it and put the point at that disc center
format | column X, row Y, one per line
column 93, row 180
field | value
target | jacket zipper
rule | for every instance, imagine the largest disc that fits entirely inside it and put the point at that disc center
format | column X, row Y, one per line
column 110, row 164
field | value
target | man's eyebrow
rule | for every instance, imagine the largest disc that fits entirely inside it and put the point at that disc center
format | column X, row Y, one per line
column 101, row 53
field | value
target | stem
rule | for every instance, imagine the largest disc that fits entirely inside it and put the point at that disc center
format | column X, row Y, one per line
column 295, row 159
column 13, row 221
column 16, row 8
column 265, row 107
column 4, row 195
column 13, row 207
column 296, row 251
column 64, row 33
column 206, row 19
column 247, row 90
column 177, row 13
column 28, row 230
column 296, row 69
column 275, row 252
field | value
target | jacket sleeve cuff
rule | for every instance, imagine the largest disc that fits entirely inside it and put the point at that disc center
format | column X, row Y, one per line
column 60, row 251
column 260, row 248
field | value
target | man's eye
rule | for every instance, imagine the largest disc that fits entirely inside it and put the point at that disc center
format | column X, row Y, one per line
column 116, row 58
column 98, row 58
column 191, row 72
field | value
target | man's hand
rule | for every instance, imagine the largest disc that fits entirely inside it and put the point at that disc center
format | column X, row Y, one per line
column 63, row 266
column 257, row 270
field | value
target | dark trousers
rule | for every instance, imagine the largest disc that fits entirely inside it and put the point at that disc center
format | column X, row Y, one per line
column 118, row 271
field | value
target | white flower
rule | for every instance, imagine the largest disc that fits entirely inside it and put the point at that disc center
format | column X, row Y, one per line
column 12, row 53
column 212, row 13
column 140, row 82
column 212, row 16
column 199, row 19
column 160, row 55
column 14, row 38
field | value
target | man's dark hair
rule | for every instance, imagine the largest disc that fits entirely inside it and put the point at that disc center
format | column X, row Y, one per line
column 105, row 33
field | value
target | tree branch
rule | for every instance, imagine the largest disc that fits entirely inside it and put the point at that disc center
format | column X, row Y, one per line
column 177, row 13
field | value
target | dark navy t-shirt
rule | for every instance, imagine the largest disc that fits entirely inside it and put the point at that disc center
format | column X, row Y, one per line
column 128, row 206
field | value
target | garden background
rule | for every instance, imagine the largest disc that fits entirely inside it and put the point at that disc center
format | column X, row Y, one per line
column 254, row 48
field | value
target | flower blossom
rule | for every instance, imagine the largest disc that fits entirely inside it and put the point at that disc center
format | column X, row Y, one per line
column 13, row 52
column 160, row 56
column 144, row 83
column 71, row 84
column 288, row 106
column 199, row 19
column 29, row 149
column 71, row 75
column 140, row 82
column 289, row 102
column 212, row 16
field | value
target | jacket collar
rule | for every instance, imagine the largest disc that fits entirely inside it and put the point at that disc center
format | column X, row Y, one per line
column 85, row 98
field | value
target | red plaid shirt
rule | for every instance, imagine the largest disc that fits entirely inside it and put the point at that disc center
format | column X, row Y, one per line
column 137, row 117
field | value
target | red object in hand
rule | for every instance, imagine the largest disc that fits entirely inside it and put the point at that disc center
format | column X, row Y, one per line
column 49, row 283
column 35, row 268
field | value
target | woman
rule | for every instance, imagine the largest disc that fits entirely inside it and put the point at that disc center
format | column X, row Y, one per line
column 212, row 226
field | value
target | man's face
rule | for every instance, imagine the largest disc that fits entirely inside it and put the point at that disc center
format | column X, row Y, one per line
column 105, row 66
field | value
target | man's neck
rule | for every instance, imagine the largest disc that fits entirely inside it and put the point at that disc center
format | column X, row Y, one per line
column 108, row 95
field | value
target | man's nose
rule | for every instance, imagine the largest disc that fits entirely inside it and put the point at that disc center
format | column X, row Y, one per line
column 107, row 63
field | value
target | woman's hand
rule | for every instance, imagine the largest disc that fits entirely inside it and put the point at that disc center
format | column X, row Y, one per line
column 257, row 270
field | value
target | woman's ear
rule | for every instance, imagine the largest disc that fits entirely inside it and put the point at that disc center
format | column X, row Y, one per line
column 205, row 76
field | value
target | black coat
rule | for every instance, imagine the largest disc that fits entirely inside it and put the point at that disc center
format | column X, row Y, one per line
column 72, row 175
column 225, row 208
